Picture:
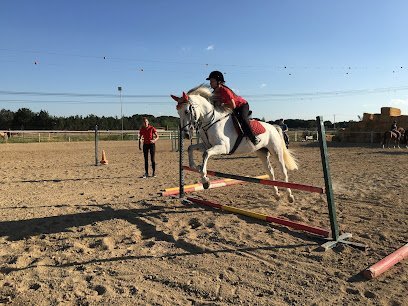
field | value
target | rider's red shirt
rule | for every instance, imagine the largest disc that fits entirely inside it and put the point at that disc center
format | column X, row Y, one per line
column 226, row 95
column 147, row 133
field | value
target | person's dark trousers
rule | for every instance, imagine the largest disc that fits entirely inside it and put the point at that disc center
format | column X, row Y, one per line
column 242, row 113
column 152, row 148
column 286, row 138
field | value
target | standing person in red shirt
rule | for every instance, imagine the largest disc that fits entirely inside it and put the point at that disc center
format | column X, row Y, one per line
column 149, row 136
column 239, row 105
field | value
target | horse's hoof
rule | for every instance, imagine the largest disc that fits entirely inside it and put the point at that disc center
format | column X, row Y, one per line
column 291, row 199
column 277, row 196
column 206, row 185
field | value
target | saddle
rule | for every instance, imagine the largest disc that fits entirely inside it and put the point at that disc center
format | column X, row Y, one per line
column 256, row 127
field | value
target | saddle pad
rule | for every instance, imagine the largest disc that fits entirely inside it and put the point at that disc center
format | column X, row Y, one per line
column 257, row 127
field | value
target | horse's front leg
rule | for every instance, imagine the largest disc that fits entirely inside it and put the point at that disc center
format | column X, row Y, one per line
column 191, row 149
column 215, row 150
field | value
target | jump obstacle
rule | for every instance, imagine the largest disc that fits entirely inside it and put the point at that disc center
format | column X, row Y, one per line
column 336, row 238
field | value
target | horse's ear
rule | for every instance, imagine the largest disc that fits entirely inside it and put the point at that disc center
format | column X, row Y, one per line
column 177, row 99
column 185, row 97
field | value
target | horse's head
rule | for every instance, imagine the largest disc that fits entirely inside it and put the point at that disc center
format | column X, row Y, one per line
column 187, row 113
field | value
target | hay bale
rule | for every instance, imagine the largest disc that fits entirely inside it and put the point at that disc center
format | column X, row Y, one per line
column 386, row 119
column 368, row 117
column 390, row 111
column 403, row 121
column 377, row 117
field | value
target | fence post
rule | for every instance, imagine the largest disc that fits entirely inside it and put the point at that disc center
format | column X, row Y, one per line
column 176, row 140
column 96, row 145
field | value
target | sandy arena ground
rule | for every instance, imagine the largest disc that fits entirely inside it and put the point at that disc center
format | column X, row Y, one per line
column 72, row 233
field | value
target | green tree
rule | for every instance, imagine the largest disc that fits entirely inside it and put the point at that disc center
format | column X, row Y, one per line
column 6, row 119
column 23, row 119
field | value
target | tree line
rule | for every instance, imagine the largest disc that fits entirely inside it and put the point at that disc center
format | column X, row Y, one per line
column 25, row 119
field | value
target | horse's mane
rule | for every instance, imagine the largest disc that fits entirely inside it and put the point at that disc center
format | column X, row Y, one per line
column 204, row 91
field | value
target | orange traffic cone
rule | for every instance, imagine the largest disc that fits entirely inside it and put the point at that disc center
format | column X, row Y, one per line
column 103, row 161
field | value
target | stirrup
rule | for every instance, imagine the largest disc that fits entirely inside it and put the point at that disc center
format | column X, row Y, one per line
column 256, row 141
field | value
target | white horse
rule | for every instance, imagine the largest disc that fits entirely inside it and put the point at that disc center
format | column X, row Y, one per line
column 196, row 110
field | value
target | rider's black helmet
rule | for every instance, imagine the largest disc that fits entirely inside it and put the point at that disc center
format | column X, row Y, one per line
column 217, row 75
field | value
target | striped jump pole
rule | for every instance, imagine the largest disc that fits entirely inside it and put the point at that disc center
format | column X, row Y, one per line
column 262, row 181
column 295, row 225
column 386, row 263
column 198, row 187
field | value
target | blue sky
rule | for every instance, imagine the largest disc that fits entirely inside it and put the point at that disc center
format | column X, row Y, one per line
column 290, row 59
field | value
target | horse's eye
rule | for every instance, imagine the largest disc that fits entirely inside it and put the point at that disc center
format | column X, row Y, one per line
column 187, row 112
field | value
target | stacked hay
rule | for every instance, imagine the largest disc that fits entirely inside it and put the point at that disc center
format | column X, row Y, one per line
column 390, row 111
column 373, row 126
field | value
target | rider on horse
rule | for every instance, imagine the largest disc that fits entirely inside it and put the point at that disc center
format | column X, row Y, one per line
column 239, row 105
column 284, row 128
column 394, row 129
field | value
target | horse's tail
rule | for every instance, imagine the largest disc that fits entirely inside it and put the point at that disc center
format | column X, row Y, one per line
column 288, row 157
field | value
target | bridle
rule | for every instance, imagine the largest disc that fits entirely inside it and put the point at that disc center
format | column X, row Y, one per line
column 193, row 122
column 196, row 124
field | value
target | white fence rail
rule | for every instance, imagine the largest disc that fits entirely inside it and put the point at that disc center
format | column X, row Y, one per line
column 52, row 136
column 89, row 135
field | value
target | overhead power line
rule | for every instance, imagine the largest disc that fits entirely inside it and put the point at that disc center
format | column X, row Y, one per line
column 317, row 94
column 277, row 66
column 66, row 94
column 80, row 102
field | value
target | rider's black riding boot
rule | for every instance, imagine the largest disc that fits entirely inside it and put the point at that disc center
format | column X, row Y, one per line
column 246, row 128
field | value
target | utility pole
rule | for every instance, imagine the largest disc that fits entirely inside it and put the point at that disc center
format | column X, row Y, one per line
column 121, row 109
column 334, row 124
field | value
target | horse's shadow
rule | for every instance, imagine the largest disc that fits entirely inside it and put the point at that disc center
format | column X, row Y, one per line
column 24, row 229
